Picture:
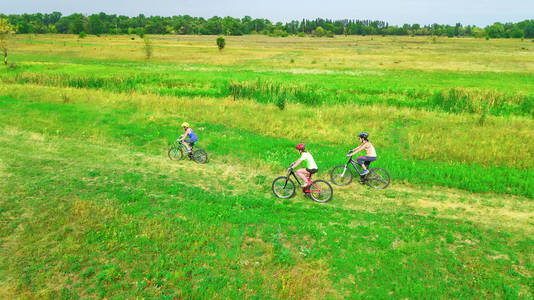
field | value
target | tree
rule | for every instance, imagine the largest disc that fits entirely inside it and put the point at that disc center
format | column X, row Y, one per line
column 529, row 30
column 516, row 33
column 495, row 31
column 6, row 30
column 24, row 27
column 149, row 50
column 51, row 19
column 319, row 32
column 94, row 24
column 478, row 32
column 221, row 42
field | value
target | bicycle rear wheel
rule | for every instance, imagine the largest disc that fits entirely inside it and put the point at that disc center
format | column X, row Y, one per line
column 341, row 175
column 321, row 191
column 283, row 187
column 200, row 156
column 176, row 153
column 377, row 178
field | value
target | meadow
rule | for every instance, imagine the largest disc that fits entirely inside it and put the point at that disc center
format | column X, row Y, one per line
column 91, row 207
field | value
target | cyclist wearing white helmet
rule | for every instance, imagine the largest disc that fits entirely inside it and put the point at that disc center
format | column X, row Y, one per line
column 310, row 165
column 191, row 137
column 370, row 153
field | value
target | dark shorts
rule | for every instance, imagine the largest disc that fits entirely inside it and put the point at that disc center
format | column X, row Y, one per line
column 191, row 142
column 365, row 159
column 311, row 171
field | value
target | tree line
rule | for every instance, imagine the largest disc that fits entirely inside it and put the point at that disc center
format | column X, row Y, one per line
column 103, row 23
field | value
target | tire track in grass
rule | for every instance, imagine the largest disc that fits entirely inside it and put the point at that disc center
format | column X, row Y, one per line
column 144, row 126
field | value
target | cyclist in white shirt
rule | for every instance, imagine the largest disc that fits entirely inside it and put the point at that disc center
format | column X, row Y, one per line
column 309, row 164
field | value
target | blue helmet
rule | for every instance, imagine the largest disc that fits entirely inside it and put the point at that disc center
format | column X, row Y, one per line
column 364, row 135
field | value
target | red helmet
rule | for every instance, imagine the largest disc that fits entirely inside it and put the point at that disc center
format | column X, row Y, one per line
column 301, row 146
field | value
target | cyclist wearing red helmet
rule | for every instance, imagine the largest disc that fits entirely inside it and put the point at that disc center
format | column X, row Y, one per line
column 370, row 153
column 309, row 163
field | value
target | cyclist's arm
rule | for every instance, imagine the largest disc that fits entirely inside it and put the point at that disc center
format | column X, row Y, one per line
column 295, row 164
column 356, row 150
column 185, row 134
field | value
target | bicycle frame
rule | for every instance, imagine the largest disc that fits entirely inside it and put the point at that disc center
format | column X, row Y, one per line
column 353, row 162
column 292, row 172
column 181, row 144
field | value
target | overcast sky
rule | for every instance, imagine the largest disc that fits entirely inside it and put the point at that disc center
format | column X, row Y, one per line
column 476, row 12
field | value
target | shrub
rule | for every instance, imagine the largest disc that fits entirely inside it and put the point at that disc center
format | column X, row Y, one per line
column 278, row 33
column 140, row 32
column 275, row 92
column 319, row 32
column 82, row 35
column 221, row 42
column 280, row 102
column 301, row 34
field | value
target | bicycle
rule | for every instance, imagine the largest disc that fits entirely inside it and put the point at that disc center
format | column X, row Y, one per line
column 319, row 190
column 177, row 150
column 377, row 178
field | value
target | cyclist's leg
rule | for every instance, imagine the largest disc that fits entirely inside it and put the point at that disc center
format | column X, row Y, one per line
column 360, row 160
column 186, row 145
column 189, row 144
column 311, row 172
column 305, row 175
column 368, row 161
column 364, row 161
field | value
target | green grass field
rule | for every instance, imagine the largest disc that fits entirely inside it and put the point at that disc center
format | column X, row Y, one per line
column 91, row 206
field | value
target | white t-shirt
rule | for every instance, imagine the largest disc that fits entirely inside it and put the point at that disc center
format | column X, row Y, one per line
column 308, row 160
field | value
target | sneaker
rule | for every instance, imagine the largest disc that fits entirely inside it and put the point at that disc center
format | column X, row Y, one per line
column 365, row 172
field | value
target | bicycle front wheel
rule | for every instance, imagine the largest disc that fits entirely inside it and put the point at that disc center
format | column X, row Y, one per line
column 283, row 187
column 377, row 178
column 341, row 175
column 200, row 156
column 176, row 153
column 321, row 191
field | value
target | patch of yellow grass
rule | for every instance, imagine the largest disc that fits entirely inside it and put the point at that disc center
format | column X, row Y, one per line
column 449, row 137
column 306, row 279
column 354, row 52
column 493, row 211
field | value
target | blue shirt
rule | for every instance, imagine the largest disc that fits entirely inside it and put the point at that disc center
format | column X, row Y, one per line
column 192, row 136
